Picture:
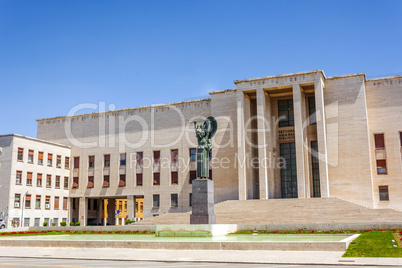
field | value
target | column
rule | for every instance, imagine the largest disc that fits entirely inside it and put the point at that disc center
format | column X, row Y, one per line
column 130, row 207
column 262, row 145
column 298, row 98
column 271, row 144
column 241, row 145
column 82, row 213
column 321, row 137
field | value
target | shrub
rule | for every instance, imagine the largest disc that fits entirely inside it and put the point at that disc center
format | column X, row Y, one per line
column 71, row 223
column 45, row 224
column 63, row 223
column 128, row 221
column 77, row 223
column 53, row 224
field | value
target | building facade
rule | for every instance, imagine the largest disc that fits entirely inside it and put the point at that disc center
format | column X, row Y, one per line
column 34, row 179
column 299, row 135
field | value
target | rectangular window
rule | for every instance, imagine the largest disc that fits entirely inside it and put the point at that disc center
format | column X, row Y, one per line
column 379, row 141
column 122, row 181
column 383, row 190
column 48, row 180
column 190, row 200
column 210, row 174
column 75, row 182
column 58, row 161
column 91, row 161
column 47, row 202
column 105, row 181
column 193, row 176
column 57, row 182
column 18, row 177
column 20, row 156
column 90, row 182
column 39, row 179
column 311, row 110
column 29, row 178
column 155, row 203
column 49, row 160
column 285, row 113
column 157, row 178
column 40, row 158
column 174, row 177
column 77, row 162
column 37, row 201
column 381, row 167
column 193, row 154
column 315, row 168
column 65, row 182
column 67, row 162
column 37, row 222
column 107, row 160
column 28, row 201
column 65, row 202
column 174, row 200
column 17, row 199
column 123, row 159
column 174, row 155
column 157, row 156
column 139, row 158
column 56, row 202
column 26, row 222
column 30, row 156
column 139, row 179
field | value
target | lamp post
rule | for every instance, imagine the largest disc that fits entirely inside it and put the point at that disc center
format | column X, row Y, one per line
column 22, row 210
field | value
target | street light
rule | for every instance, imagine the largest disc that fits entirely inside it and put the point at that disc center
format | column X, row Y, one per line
column 22, row 210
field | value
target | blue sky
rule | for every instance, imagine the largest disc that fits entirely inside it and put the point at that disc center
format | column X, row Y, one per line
column 57, row 54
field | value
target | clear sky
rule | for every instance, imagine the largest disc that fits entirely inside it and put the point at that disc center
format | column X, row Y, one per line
column 57, row 54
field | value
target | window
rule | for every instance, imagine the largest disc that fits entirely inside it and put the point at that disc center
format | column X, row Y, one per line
column 20, row 156
column 37, row 222
column 47, row 202
column 18, row 177
column 58, row 161
column 210, row 154
column 379, row 141
column 193, row 154
column 30, row 156
column 381, row 167
column 91, row 161
column 48, row 180
column 174, row 177
column 174, row 154
column 90, row 182
column 157, row 156
column 37, row 201
column 190, row 200
column 383, row 190
column 56, row 202
column 139, row 158
column 57, row 181
column 210, row 174
column 28, row 201
column 105, row 181
column 193, row 176
column 56, row 221
column 315, row 168
column 49, row 160
column 17, row 199
column 75, row 182
column 139, row 179
column 65, row 202
column 107, row 160
column 26, row 222
column 76, row 162
column 122, row 181
column 123, row 159
column 285, row 113
column 157, row 179
column 155, row 203
column 400, row 138
column 29, row 178
column 173, row 200
column 65, row 182
column 39, row 179
column 40, row 158
column 67, row 162
column 311, row 110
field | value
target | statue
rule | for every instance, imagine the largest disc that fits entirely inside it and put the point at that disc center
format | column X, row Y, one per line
column 204, row 134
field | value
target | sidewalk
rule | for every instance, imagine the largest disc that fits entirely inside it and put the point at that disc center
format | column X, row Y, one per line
column 226, row 256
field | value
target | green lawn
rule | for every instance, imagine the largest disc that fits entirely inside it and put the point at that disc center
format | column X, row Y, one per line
column 374, row 244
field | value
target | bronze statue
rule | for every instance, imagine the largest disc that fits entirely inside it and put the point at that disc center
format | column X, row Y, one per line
column 204, row 134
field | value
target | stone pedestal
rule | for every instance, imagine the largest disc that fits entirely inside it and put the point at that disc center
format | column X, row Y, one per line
column 203, row 202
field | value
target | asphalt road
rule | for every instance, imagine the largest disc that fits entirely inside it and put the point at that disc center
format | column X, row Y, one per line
column 74, row 263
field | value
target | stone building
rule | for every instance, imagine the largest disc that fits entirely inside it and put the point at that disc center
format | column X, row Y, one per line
column 299, row 135
column 34, row 177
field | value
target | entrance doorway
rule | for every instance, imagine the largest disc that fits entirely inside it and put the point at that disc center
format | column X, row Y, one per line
column 288, row 171
column 139, row 208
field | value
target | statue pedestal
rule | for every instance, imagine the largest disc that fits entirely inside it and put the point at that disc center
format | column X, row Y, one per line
column 203, row 202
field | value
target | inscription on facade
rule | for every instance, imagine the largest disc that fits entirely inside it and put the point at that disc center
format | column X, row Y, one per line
column 286, row 134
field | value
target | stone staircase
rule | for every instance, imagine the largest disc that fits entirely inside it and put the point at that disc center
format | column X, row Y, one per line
column 287, row 211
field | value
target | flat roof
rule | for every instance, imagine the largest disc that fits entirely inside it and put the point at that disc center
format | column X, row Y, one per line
column 278, row 76
column 35, row 139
